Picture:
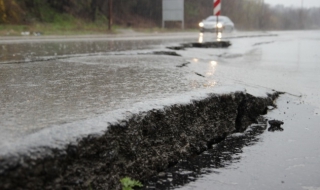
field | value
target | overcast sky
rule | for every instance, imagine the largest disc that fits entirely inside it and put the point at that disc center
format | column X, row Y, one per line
column 295, row 3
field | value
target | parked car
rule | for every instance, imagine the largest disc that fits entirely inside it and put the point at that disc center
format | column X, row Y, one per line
column 210, row 24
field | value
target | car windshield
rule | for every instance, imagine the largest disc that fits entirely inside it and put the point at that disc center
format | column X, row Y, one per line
column 220, row 18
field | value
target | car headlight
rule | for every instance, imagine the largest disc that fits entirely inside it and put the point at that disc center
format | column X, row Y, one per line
column 219, row 25
column 201, row 24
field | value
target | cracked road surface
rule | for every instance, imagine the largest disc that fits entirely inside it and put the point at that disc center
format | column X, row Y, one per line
column 54, row 92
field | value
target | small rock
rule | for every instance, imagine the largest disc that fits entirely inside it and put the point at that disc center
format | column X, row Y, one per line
column 275, row 122
column 162, row 174
column 275, row 125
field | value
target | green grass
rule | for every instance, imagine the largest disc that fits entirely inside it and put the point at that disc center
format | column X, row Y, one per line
column 77, row 27
column 61, row 25
column 128, row 183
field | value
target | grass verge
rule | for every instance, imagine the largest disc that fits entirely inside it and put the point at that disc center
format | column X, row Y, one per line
column 63, row 25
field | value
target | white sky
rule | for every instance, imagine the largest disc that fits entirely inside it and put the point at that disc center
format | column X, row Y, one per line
column 295, row 3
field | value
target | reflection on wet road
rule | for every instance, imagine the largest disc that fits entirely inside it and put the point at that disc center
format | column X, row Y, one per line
column 284, row 160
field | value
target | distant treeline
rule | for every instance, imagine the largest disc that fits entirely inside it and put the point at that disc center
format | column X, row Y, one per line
column 246, row 14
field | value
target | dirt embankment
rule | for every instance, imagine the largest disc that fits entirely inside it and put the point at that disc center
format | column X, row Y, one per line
column 139, row 147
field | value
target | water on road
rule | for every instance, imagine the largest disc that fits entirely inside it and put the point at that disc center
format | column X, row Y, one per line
column 272, row 160
column 41, row 96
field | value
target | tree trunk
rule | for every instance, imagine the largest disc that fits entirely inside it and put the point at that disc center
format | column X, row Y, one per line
column 93, row 10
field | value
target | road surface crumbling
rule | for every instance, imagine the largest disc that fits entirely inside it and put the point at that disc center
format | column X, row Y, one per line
column 139, row 147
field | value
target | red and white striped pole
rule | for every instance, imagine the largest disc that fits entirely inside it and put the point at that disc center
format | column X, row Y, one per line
column 217, row 12
column 216, row 7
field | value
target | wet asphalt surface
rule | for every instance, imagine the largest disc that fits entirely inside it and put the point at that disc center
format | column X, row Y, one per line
column 54, row 83
column 39, row 94
column 37, row 50
column 48, row 84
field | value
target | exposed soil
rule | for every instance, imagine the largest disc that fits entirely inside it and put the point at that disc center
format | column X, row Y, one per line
column 172, row 53
column 217, row 44
column 139, row 147
column 224, row 152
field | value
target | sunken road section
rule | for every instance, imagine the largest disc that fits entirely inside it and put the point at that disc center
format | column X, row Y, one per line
column 138, row 147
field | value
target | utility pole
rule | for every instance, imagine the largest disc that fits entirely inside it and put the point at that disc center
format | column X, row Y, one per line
column 301, row 15
column 262, row 16
column 110, row 15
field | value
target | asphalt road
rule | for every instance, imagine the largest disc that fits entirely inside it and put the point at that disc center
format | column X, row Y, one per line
column 50, row 82
column 53, row 91
column 284, row 160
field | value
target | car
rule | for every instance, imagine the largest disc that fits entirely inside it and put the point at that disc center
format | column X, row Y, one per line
column 214, row 23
